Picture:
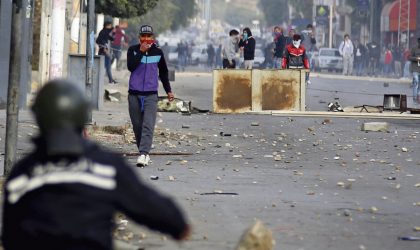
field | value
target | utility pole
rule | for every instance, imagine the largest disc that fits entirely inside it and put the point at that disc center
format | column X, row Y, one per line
column 26, row 52
column 12, row 112
column 90, row 52
column 45, row 41
column 330, row 35
column 417, row 32
column 5, row 31
column 57, row 38
column 371, row 21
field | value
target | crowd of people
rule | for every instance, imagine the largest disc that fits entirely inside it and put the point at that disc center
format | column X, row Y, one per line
column 373, row 60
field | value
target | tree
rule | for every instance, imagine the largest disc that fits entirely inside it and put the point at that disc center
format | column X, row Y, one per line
column 171, row 15
column 186, row 10
column 124, row 8
column 303, row 8
column 275, row 11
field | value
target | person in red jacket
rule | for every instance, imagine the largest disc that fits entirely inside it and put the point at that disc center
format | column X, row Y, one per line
column 295, row 55
column 388, row 62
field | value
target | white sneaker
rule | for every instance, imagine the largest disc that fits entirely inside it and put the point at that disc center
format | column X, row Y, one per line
column 143, row 160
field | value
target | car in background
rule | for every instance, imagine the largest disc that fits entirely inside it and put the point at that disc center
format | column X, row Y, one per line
column 198, row 55
column 258, row 59
column 173, row 55
column 327, row 59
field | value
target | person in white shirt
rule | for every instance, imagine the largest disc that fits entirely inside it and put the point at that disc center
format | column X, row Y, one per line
column 229, row 50
column 346, row 51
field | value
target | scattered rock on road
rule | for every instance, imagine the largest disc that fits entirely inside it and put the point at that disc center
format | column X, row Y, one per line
column 375, row 126
column 257, row 237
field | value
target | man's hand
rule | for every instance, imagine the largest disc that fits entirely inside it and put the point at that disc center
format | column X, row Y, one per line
column 185, row 235
column 230, row 62
column 144, row 47
column 171, row 96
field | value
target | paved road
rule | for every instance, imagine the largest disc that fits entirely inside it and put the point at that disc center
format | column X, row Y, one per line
column 300, row 197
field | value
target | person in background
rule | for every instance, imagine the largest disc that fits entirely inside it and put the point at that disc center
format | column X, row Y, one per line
column 280, row 45
column 289, row 37
column 309, row 42
column 397, row 54
column 268, row 55
column 387, row 61
column 346, row 50
column 219, row 64
column 407, row 63
column 165, row 49
column 65, row 193
column 415, row 69
column 103, row 39
column 229, row 50
column 360, row 52
column 120, row 40
column 295, row 55
column 182, row 50
column 247, row 44
column 147, row 65
column 210, row 56
column 374, row 52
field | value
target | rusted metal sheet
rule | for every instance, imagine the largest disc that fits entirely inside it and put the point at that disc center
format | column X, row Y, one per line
column 280, row 89
column 239, row 91
column 232, row 91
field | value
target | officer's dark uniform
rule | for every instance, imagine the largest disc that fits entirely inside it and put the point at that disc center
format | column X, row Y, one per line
column 65, row 193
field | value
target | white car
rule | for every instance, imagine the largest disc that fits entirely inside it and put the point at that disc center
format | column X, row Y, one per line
column 258, row 58
column 329, row 59
column 198, row 55
column 173, row 55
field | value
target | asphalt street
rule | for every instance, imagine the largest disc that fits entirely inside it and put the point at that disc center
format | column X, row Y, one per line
column 316, row 183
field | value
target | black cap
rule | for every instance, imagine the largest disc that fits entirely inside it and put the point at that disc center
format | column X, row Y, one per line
column 146, row 29
column 296, row 37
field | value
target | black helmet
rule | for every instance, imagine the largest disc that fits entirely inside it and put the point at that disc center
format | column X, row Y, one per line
column 61, row 111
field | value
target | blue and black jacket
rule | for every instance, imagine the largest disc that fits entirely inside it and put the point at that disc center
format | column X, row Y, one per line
column 146, row 68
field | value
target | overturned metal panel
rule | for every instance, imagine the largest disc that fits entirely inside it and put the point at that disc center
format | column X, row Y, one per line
column 232, row 91
column 280, row 89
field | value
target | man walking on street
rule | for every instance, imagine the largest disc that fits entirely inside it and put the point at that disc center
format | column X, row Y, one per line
column 65, row 193
column 415, row 69
column 247, row 44
column 105, row 35
column 346, row 51
column 147, row 65
column 229, row 50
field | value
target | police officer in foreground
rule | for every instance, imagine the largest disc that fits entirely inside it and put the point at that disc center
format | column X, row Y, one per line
column 64, row 194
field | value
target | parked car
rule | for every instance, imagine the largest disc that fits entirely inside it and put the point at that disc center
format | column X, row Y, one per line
column 327, row 59
column 258, row 58
column 198, row 55
column 173, row 55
